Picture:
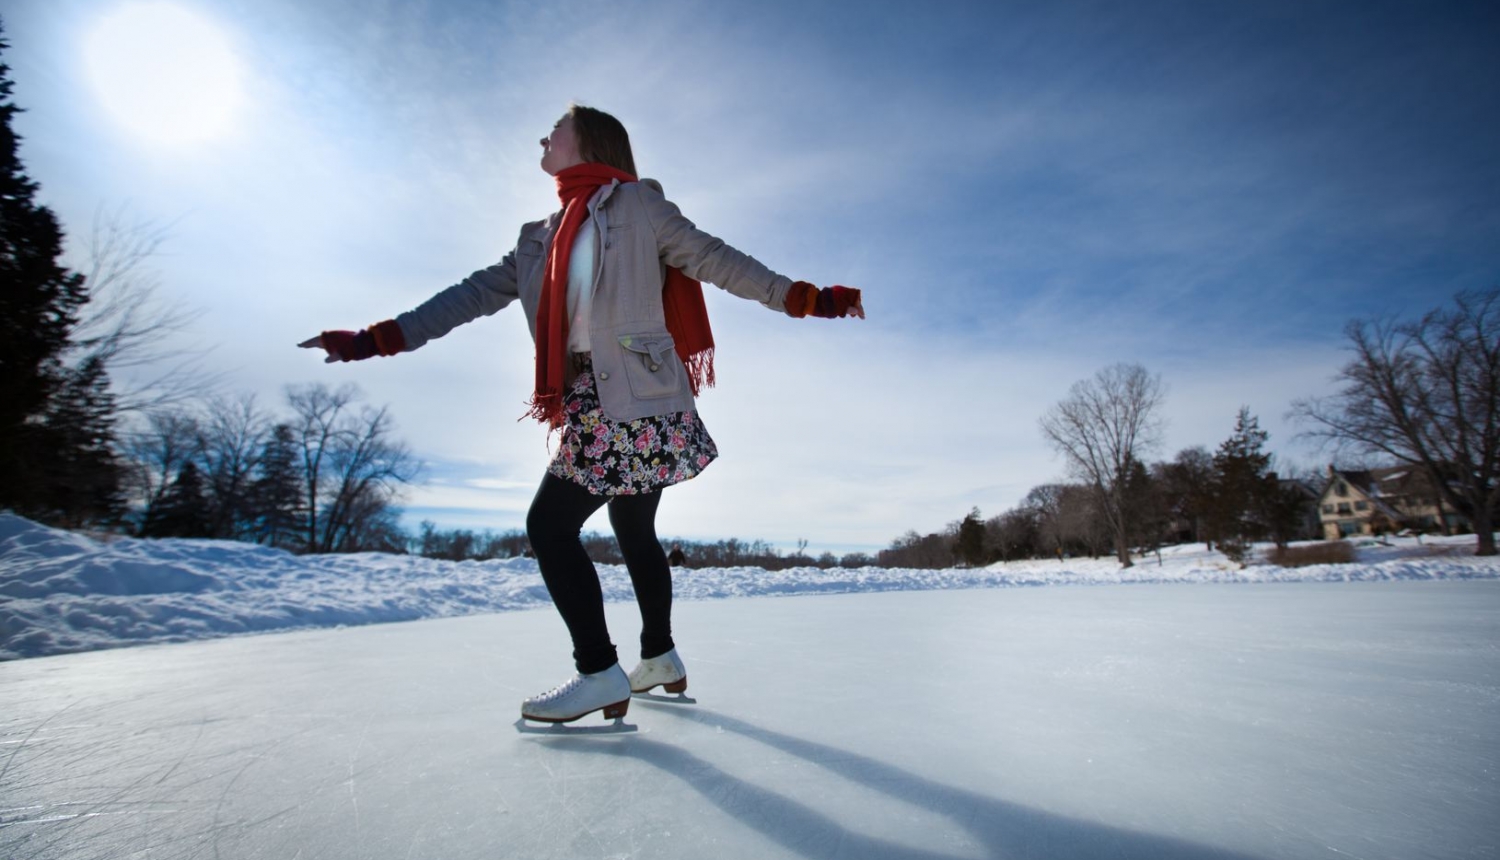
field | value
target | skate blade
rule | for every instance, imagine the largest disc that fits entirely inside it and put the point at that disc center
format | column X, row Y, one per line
column 679, row 699
column 617, row 727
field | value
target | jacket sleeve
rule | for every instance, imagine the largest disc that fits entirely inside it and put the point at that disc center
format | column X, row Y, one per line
column 480, row 294
column 708, row 258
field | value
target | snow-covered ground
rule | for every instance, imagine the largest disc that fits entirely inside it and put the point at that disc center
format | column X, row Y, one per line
column 1333, row 712
column 62, row 592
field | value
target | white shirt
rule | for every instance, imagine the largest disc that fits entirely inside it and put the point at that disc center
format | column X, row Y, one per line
column 581, row 287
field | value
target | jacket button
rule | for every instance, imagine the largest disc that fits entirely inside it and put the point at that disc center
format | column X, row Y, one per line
column 604, row 374
column 655, row 368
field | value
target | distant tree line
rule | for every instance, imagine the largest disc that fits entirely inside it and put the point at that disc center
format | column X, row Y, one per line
column 466, row 544
column 1226, row 499
column 321, row 476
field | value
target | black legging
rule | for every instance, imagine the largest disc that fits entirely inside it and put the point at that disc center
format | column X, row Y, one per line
column 553, row 524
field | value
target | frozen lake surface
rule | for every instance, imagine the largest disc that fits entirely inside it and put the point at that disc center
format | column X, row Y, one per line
column 1279, row 720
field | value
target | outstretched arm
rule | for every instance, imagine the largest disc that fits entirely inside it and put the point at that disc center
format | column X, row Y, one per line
column 708, row 258
column 481, row 294
column 704, row 257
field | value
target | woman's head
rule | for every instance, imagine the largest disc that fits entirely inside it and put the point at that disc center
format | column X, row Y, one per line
column 587, row 135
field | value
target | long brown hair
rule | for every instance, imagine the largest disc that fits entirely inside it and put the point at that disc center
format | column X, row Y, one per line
column 602, row 138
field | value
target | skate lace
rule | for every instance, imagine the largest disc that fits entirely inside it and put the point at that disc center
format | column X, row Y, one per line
column 558, row 692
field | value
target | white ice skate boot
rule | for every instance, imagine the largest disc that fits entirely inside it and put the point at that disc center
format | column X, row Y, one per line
column 664, row 671
column 608, row 691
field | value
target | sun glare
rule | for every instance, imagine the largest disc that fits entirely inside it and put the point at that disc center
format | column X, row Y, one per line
column 165, row 73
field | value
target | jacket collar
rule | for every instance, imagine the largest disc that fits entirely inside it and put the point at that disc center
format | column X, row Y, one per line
column 551, row 222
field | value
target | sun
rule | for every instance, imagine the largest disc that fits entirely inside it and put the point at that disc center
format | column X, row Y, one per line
column 165, row 73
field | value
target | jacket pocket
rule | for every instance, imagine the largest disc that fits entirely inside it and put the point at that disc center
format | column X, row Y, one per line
column 618, row 235
column 651, row 365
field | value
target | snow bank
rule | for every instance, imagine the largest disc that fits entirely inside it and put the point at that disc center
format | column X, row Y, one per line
column 62, row 592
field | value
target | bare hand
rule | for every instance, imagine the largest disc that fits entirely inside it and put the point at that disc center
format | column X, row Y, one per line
column 858, row 308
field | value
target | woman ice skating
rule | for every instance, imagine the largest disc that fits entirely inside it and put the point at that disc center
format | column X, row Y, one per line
column 610, row 288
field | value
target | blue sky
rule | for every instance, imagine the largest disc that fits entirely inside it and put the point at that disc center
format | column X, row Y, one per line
column 1027, row 192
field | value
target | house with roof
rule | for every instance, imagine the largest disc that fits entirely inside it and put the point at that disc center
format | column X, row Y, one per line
column 1377, row 501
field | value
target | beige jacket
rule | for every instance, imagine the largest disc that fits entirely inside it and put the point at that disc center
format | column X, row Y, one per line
column 638, row 232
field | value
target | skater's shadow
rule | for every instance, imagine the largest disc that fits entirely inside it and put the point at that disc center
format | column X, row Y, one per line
column 1003, row 829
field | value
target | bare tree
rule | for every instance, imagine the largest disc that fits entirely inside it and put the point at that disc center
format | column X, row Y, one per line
column 855, row 560
column 316, row 427
column 1046, row 501
column 351, row 465
column 1426, row 394
column 367, row 464
column 231, row 438
column 1067, row 518
column 931, row 551
column 1014, row 534
column 372, row 524
column 1081, row 521
column 1102, row 428
column 127, row 328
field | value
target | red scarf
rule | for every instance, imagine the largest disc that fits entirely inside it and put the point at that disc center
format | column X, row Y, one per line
column 682, row 300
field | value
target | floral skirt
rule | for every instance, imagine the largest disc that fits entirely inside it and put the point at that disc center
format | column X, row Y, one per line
column 613, row 458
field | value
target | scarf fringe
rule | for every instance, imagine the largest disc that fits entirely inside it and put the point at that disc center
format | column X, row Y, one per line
column 546, row 408
column 700, row 368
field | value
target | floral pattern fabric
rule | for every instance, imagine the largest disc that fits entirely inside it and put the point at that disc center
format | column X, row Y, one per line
column 613, row 458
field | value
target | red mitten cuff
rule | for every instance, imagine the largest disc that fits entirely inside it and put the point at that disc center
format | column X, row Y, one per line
column 801, row 299
column 388, row 337
column 804, row 299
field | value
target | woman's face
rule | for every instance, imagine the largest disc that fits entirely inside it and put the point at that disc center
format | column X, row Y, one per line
column 560, row 148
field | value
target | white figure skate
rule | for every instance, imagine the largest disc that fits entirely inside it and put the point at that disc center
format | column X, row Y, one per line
column 665, row 671
column 607, row 691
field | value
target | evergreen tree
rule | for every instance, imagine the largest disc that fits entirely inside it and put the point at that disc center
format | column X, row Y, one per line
column 276, row 493
column 1242, row 489
column 154, row 453
column 970, row 543
column 1284, row 509
column 183, row 511
column 56, row 420
column 1148, row 505
column 81, row 476
column 1187, row 489
column 39, row 304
